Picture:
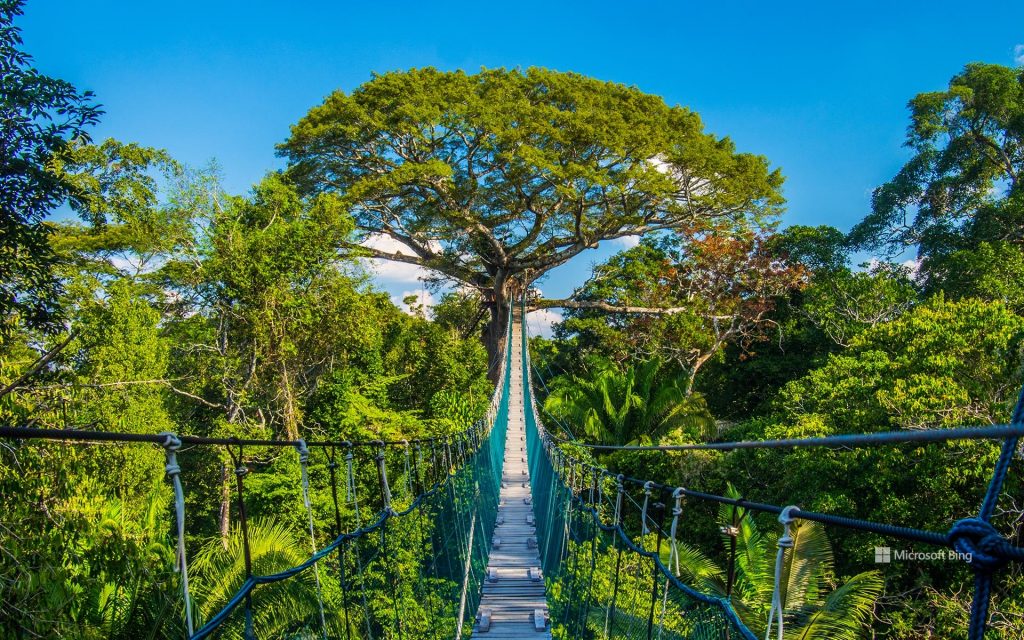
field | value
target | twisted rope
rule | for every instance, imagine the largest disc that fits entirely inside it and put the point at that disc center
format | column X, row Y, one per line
column 648, row 488
column 171, row 445
column 303, row 452
column 673, row 554
column 785, row 542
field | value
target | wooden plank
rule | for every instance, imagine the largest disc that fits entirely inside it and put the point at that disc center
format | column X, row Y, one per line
column 514, row 599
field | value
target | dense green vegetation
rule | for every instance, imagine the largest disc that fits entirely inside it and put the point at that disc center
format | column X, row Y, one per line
column 162, row 303
column 780, row 336
column 171, row 305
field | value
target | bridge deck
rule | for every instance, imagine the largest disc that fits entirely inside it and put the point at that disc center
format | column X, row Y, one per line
column 514, row 598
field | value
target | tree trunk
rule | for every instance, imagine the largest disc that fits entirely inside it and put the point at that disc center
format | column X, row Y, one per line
column 494, row 335
column 502, row 298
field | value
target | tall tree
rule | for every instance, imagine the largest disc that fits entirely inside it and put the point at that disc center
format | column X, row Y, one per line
column 965, row 183
column 39, row 115
column 493, row 179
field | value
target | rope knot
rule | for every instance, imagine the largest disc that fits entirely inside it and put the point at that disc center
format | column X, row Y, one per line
column 980, row 544
column 171, row 441
column 648, row 490
column 300, row 446
column 171, row 444
column 786, row 519
column 677, row 495
column 778, row 606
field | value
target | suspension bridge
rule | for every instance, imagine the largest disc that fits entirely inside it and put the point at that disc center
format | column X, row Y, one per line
column 506, row 530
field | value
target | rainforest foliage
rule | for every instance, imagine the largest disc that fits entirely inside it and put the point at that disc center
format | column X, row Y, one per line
column 778, row 334
column 136, row 295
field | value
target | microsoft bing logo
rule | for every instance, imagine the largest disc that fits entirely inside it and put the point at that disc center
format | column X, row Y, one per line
column 885, row 555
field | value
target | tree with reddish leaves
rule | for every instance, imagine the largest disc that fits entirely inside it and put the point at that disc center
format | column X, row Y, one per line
column 683, row 298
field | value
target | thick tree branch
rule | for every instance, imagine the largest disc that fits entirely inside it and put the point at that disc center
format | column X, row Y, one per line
column 546, row 303
column 385, row 255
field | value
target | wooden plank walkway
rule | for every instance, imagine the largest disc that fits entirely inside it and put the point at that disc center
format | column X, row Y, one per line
column 510, row 603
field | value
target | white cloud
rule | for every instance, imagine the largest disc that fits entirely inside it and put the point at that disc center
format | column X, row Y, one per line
column 423, row 298
column 538, row 323
column 123, row 263
column 627, row 242
column 1018, row 54
column 390, row 270
column 913, row 265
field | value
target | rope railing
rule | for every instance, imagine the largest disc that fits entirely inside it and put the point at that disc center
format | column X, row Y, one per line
column 992, row 432
column 85, row 435
column 984, row 549
column 437, row 505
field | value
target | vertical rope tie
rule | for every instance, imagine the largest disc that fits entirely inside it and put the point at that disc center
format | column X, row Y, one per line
column 408, row 470
column 567, row 516
column 610, row 611
column 350, row 478
column 382, row 468
column 352, row 496
column 733, row 531
column 332, row 466
column 171, row 445
column 677, row 510
column 673, row 553
column 303, row 451
column 659, row 507
column 418, row 466
column 644, row 529
column 785, row 542
column 434, row 471
column 240, row 472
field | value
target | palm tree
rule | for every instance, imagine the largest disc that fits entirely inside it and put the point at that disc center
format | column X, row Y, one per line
column 288, row 608
column 629, row 406
column 813, row 611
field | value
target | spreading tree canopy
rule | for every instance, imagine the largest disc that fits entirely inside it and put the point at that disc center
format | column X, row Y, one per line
column 490, row 180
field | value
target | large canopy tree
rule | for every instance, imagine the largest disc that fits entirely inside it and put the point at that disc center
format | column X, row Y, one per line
column 963, row 188
column 491, row 180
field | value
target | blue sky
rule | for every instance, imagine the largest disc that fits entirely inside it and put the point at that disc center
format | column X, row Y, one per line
column 819, row 88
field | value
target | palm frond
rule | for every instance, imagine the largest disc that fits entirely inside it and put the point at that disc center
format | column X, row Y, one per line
column 804, row 565
column 846, row 612
column 219, row 572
